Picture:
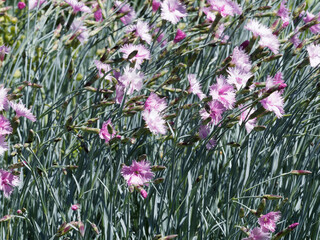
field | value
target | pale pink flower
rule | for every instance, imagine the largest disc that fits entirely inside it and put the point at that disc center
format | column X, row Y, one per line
column 314, row 54
column 125, row 8
column 34, row 3
column 258, row 234
column 267, row 39
column 155, row 103
column 4, row 50
column 210, row 15
column 77, row 27
column 138, row 174
column 204, row 133
column 271, row 42
column 142, row 54
column 155, row 5
column 103, row 69
column 107, row 132
column 315, row 29
column 216, row 109
column 195, row 87
column 244, row 117
column 241, row 59
column 3, row 98
column 155, row 122
column 3, row 145
column 141, row 29
column 22, row 111
column 238, row 78
column 180, row 35
column 98, row 15
column 283, row 12
column 276, row 80
column 78, row 6
column 274, row 103
column 257, row 28
column 268, row 222
column 21, row 5
column 223, row 92
column 225, row 7
column 5, row 126
column 7, row 182
column 172, row 11
column 132, row 80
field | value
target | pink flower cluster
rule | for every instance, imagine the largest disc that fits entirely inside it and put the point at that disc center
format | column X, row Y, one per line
column 153, row 114
column 5, row 126
column 267, row 224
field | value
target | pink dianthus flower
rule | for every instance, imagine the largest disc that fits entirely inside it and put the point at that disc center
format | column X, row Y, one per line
column 154, row 102
column 7, row 182
column 103, row 69
column 132, row 79
column 195, row 87
column 141, row 29
column 241, row 59
column 78, row 6
column 268, row 222
column 315, row 29
column 314, row 54
column 225, row 7
column 34, row 3
column 172, row 11
column 142, row 54
column 223, row 92
column 216, row 109
column 267, row 39
column 258, row 234
column 22, row 111
column 155, row 5
column 5, row 126
column 283, row 12
column 155, row 122
column 238, row 77
column 138, row 174
column 125, row 8
column 274, row 103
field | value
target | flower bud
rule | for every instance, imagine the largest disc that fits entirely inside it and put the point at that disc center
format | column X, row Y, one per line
column 180, row 35
column 300, row 172
column 75, row 207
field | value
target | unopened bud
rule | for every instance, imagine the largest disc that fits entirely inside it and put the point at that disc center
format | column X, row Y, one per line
column 272, row 197
column 300, row 172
